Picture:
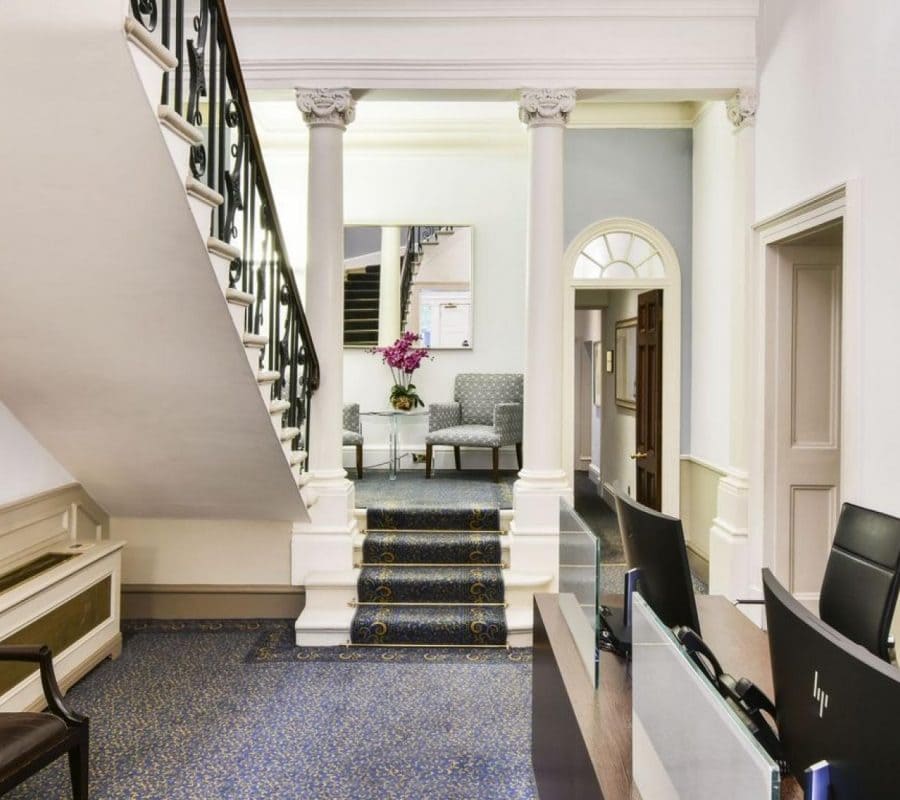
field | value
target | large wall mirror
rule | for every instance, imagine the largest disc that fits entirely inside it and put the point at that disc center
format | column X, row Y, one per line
column 408, row 277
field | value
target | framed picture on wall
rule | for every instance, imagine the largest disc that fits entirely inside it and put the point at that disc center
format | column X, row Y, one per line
column 597, row 362
column 626, row 362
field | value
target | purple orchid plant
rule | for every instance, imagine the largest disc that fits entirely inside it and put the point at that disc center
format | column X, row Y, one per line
column 404, row 359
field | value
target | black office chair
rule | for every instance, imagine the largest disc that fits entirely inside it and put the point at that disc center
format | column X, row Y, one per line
column 862, row 578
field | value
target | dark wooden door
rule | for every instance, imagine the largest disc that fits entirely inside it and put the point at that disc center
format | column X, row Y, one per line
column 648, row 419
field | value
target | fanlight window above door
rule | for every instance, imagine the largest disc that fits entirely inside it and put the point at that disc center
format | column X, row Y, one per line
column 619, row 255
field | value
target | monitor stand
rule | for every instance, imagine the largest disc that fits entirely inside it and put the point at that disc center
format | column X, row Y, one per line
column 615, row 621
column 817, row 781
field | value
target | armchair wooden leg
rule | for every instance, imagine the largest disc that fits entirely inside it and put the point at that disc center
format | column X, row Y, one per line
column 427, row 460
column 495, row 457
column 519, row 454
column 456, row 458
column 359, row 461
column 78, row 769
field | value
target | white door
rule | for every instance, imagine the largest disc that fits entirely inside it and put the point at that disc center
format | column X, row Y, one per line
column 807, row 415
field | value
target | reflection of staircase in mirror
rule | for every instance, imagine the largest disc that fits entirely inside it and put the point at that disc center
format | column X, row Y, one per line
column 361, row 306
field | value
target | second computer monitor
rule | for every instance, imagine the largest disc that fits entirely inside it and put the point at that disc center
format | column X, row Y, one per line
column 835, row 701
column 654, row 544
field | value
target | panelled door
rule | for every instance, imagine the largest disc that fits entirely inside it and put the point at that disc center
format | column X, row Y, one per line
column 648, row 417
column 807, row 414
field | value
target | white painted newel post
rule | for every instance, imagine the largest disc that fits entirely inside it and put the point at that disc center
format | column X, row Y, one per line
column 324, row 543
column 542, row 480
column 732, row 562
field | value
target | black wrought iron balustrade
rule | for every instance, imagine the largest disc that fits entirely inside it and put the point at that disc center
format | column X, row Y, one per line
column 208, row 90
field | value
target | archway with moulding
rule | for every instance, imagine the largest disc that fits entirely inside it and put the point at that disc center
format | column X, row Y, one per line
column 623, row 253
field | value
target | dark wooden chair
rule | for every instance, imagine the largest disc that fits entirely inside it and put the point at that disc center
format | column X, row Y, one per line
column 30, row 741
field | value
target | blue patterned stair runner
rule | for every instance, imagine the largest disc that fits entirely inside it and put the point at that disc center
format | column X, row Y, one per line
column 431, row 577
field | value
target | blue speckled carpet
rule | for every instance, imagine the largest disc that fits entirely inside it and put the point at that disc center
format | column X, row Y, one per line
column 193, row 713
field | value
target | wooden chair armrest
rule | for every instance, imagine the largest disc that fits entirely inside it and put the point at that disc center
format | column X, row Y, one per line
column 43, row 656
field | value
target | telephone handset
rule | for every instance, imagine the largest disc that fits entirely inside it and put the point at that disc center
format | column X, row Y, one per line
column 744, row 697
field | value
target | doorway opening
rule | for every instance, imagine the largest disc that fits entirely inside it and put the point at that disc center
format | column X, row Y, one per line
column 622, row 372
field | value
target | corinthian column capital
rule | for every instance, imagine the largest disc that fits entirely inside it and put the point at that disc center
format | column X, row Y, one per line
column 546, row 106
column 332, row 107
column 742, row 107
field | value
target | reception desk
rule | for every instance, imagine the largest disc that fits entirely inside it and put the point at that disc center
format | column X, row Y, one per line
column 582, row 737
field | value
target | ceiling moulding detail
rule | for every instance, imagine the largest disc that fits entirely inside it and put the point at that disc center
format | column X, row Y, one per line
column 688, row 74
column 482, row 9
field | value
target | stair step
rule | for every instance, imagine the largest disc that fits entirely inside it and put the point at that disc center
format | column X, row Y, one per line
column 139, row 36
column 287, row 434
column 255, row 340
column 278, row 406
column 222, row 249
column 415, row 584
column 427, row 547
column 239, row 298
column 360, row 324
column 469, row 626
column 268, row 376
column 297, row 457
column 463, row 519
column 203, row 192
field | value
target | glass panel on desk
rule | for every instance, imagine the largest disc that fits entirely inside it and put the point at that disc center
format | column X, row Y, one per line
column 579, row 580
column 687, row 742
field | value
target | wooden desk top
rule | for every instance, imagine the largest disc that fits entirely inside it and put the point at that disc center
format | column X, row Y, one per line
column 604, row 716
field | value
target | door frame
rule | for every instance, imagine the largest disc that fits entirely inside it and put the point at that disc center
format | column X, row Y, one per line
column 671, row 383
column 840, row 203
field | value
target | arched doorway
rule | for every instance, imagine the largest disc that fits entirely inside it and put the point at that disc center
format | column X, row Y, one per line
column 623, row 253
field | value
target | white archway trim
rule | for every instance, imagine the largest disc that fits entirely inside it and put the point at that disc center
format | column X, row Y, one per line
column 670, row 282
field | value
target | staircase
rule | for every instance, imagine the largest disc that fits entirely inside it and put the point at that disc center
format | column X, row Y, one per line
column 158, row 313
column 361, row 293
column 424, row 577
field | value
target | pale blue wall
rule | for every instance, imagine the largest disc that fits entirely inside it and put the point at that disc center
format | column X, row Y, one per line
column 644, row 174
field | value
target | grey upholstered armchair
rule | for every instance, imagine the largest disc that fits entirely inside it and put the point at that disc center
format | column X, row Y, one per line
column 353, row 434
column 486, row 412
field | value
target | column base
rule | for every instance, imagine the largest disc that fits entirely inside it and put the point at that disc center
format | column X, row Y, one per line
column 325, row 543
column 534, row 528
column 729, row 543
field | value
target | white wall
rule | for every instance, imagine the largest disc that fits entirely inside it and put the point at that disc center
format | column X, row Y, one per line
column 26, row 468
column 830, row 111
column 617, row 424
column 180, row 551
column 710, row 342
column 484, row 188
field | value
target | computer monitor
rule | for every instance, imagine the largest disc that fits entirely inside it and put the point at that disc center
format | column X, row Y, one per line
column 658, row 564
column 835, row 701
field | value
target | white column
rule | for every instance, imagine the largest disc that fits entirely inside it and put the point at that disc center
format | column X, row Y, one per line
column 325, row 542
column 543, row 480
column 732, row 566
column 389, row 287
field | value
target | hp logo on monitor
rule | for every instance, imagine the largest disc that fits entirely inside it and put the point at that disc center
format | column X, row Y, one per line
column 819, row 695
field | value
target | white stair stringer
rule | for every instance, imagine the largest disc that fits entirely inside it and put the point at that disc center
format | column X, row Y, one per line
column 160, row 320
column 325, row 621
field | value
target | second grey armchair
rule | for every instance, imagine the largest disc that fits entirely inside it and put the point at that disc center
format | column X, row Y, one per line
column 486, row 412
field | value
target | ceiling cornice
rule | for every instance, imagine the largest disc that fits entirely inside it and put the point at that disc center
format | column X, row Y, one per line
column 487, row 73
column 488, row 9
